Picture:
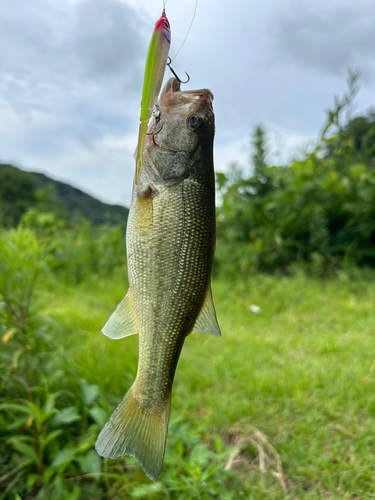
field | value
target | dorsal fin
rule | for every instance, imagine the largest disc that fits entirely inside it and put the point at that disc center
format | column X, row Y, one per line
column 206, row 321
column 122, row 323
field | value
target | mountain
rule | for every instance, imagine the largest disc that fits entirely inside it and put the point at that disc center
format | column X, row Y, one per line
column 18, row 190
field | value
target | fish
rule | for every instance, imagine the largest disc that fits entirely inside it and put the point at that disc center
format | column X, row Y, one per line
column 170, row 246
column 156, row 61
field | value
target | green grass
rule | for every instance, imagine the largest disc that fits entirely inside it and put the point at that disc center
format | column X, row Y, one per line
column 301, row 374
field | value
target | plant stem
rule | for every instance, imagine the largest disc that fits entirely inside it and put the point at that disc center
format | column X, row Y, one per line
column 26, row 362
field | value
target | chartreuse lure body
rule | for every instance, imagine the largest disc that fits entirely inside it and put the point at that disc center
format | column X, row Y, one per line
column 154, row 73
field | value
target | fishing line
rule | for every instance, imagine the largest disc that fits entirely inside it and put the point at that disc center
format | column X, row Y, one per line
column 188, row 31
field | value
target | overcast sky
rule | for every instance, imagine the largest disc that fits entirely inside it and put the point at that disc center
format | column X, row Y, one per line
column 71, row 75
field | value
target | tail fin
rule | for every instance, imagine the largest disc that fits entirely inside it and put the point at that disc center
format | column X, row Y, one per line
column 136, row 431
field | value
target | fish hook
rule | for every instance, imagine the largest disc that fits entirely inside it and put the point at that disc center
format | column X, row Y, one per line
column 180, row 81
column 153, row 133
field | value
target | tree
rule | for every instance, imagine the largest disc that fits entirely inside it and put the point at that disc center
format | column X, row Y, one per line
column 258, row 158
column 17, row 194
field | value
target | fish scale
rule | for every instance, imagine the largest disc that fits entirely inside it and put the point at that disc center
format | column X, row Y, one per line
column 163, row 316
column 170, row 244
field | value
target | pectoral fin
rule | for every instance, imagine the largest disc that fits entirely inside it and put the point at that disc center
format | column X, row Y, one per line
column 206, row 321
column 122, row 323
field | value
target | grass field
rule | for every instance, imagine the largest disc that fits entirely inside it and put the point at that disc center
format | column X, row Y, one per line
column 285, row 399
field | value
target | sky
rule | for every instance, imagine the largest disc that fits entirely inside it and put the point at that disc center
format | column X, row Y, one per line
column 71, row 74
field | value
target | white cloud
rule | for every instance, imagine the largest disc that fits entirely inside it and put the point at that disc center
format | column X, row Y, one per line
column 106, row 38
column 231, row 151
column 68, row 82
column 282, row 146
column 285, row 145
column 330, row 36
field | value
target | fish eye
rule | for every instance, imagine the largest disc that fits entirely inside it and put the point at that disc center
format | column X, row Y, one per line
column 195, row 121
column 166, row 24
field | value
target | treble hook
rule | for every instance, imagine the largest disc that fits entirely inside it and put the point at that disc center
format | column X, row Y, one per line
column 180, row 81
column 153, row 133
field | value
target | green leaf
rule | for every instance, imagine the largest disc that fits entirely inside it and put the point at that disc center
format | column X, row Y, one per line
column 16, row 407
column 47, row 475
column 98, row 415
column 21, row 438
column 17, row 423
column 66, row 416
column 51, row 437
column 50, row 402
column 74, row 494
column 148, row 490
column 40, row 415
column 85, row 445
column 91, row 462
column 25, row 463
column 90, row 393
column 31, row 480
column 24, row 449
column 63, row 458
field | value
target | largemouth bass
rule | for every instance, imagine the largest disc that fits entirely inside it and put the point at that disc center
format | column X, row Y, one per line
column 170, row 246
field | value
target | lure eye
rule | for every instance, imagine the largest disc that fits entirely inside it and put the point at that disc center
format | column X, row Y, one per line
column 166, row 25
column 195, row 121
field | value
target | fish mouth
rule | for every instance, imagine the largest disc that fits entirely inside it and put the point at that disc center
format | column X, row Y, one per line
column 173, row 97
column 162, row 148
column 173, row 101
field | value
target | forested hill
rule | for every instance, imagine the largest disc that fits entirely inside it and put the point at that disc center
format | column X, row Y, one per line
column 21, row 190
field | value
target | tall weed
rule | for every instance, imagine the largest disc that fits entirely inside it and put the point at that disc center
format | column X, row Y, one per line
column 319, row 211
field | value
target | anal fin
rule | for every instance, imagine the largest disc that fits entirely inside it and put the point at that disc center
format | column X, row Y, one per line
column 206, row 321
column 122, row 323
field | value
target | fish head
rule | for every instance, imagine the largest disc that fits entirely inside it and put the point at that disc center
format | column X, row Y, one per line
column 182, row 130
column 163, row 27
column 194, row 107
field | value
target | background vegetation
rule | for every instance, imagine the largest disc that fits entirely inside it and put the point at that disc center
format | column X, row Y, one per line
column 20, row 191
column 286, row 406
column 317, row 213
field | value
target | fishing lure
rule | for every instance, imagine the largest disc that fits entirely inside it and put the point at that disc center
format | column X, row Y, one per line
column 154, row 73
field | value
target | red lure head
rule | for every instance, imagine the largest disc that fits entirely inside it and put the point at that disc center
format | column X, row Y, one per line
column 162, row 25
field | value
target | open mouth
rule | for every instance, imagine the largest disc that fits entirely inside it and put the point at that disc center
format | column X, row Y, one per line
column 172, row 95
column 196, row 104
